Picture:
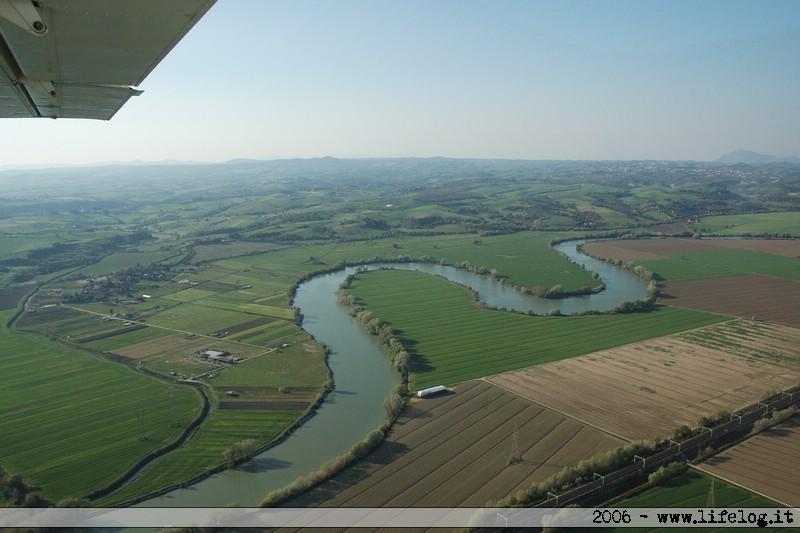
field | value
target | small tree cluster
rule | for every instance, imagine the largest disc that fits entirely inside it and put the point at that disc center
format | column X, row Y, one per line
column 15, row 493
column 682, row 432
column 665, row 473
column 240, row 452
column 776, row 418
column 713, row 420
column 394, row 403
column 480, row 270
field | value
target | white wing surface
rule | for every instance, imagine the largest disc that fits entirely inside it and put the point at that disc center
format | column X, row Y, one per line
column 84, row 58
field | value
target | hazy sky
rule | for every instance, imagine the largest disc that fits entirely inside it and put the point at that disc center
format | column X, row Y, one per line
column 638, row 79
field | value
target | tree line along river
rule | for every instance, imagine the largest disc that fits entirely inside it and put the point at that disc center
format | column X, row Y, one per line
column 363, row 377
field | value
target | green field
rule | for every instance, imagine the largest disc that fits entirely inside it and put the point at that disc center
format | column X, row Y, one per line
column 780, row 222
column 452, row 339
column 522, row 258
column 121, row 261
column 224, row 429
column 719, row 263
column 691, row 490
column 72, row 423
column 178, row 326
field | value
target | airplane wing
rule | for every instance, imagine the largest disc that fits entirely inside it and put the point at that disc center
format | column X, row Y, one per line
column 84, row 58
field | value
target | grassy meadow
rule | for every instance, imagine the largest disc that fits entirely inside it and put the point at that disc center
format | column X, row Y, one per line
column 522, row 258
column 720, row 263
column 778, row 222
column 452, row 339
column 243, row 313
column 72, row 423
column 205, row 452
column 691, row 490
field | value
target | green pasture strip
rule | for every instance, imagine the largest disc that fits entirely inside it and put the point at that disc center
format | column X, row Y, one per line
column 197, row 318
column 188, row 295
column 77, row 326
column 723, row 262
column 272, row 337
column 677, row 269
column 271, row 332
column 292, row 366
column 123, row 261
column 523, row 258
column 70, row 422
column 296, row 259
column 63, row 324
column 240, row 296
column 52, row 314
column 98, row 326
column 452, row 339
column 7, row 278
column 779, row 222
column 184, row 369
column 250, row 308
column 218, row 285
column 135, row 336
column 213, row 252
column 225, row 428
column 17, row 243
column 691, row 490
column 105, row 308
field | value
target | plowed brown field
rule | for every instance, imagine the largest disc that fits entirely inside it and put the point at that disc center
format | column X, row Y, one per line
column 648, row 249
column 768, row 463
column 453, row 450
column 646, row 389
column 762, row 297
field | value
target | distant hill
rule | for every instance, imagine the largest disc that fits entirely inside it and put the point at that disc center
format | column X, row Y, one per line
column 748, row 157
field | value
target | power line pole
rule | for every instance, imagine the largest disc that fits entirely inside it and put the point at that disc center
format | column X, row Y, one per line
column 515, row 457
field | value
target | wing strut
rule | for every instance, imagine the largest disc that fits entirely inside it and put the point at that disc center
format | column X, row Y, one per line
column 24, row 14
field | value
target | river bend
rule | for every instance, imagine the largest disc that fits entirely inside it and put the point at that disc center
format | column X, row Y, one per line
column 363, row 377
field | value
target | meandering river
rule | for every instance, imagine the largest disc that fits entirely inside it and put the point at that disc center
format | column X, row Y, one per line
column 363, row 378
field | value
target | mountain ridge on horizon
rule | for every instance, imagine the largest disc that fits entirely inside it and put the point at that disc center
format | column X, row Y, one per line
column 750, row 157
column 731, row 158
